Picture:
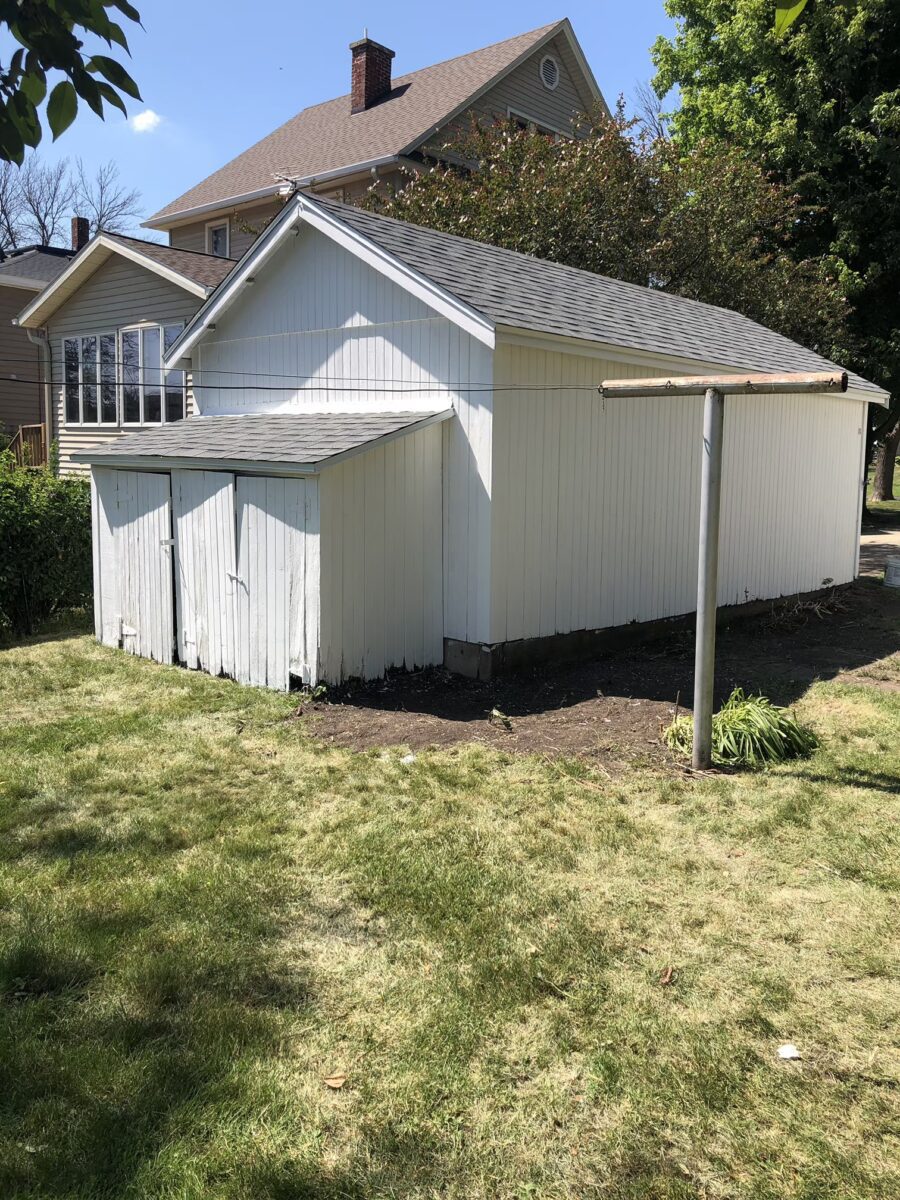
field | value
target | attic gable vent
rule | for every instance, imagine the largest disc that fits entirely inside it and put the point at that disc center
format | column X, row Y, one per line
column 549, row 72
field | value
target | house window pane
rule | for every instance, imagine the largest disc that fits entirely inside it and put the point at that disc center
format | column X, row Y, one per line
column 152, row 375
column 131, row 376
column 70, row 354
column 174, row 379
column 108, row 378
column 89, row 378
column 218, row 240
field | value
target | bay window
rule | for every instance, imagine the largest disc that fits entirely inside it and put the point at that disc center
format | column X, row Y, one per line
column 119, row 378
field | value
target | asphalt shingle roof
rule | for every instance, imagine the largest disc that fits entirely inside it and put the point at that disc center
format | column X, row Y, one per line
column 327, row 137
column 206, row 269
column 37, row 262
column 278, row 439
column 530, row 293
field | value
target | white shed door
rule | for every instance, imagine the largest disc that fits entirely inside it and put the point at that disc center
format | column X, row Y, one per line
column 278, row 608
column 143, row 556
column 205, row 569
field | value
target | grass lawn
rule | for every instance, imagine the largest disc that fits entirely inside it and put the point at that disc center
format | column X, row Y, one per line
column 204, row 914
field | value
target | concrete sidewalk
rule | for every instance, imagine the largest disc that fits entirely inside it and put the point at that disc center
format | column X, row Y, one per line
column 876, row 546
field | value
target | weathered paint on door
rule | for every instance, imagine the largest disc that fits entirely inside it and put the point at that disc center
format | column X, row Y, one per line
column 141, row 527
column 278, row 581
column 205, row 569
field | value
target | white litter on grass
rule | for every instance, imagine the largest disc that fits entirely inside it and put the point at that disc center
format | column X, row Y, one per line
column 407, row 759
column 789, row 1050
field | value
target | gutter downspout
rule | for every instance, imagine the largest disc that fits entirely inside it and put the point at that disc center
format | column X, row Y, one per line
column 38, row 337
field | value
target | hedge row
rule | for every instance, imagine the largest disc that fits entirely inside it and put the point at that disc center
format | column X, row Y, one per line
column 45, row 546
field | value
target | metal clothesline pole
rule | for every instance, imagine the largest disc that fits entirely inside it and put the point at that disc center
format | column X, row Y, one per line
column 714, row 389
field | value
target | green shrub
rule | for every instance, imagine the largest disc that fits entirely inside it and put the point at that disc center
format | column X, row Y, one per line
column 45, row 546
column 748, row 731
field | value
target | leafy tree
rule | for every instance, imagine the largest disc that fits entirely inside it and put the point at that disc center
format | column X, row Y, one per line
column 819, row 106
column 706, row 223
column 49, row 37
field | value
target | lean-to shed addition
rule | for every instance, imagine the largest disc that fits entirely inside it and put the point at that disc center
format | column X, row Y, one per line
column 401, row 459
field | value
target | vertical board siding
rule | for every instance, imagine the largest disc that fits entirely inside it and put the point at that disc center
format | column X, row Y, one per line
column 596, row 502
column 104, row 516
column 277, row 592
column 205, row 569
column 381, row 597
column 323, row 331
column 132, row 523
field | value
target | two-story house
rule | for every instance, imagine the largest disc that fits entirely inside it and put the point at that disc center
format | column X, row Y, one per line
column 107, row 320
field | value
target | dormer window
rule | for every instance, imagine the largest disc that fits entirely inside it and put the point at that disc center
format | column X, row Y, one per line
column 217, row 240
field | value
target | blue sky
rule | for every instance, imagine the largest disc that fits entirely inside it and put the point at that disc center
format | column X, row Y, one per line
column 218, row 76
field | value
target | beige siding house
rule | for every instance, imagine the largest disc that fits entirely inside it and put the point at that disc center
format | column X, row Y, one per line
column 382, row 129
column 107, row 322
column 23, row 275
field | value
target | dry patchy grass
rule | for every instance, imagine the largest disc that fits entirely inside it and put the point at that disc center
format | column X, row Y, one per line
column 204, row 913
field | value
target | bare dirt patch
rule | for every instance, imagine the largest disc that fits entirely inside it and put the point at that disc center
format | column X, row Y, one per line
column 612, row 709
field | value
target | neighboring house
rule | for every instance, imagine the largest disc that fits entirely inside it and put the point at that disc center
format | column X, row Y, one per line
column 23, row 274
column 402, row 460
column 106, row 322
column 382, row 128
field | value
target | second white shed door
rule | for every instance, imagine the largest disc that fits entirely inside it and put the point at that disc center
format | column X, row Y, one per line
column 205, row 569
column 278, row 589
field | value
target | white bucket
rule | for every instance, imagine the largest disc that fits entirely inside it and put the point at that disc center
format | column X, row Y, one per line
column 892, row 572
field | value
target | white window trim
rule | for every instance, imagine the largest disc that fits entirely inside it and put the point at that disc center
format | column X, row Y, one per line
column 120, row 422
column 540, row 126
column 218, row 223
column 550, row 58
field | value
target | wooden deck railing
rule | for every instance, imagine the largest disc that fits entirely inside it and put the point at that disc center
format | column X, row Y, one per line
column 29, row 446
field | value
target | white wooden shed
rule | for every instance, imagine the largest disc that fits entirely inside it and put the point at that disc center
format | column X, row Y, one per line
column 400, row 459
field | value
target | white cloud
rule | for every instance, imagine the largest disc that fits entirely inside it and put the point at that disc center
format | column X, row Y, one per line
column 145, row 122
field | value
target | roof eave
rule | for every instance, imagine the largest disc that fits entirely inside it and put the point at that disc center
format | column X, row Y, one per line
column 518, row 335
column 83, row 265
column 97, row 457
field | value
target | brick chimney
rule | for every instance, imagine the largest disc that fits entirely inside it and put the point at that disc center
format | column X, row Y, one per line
column 370, row 79
column 81, row 232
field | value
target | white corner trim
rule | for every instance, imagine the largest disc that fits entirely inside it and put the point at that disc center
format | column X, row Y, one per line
column 82, row 266
column 305, row 209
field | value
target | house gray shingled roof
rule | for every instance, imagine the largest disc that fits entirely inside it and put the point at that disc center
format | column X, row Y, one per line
column 523, row 292
column 327, row 137
column 285, row 440
column 206, row 269
column 44, row 263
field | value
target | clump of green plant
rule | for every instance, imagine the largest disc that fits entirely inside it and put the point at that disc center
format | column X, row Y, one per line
column 45, row 546
column 747, row 731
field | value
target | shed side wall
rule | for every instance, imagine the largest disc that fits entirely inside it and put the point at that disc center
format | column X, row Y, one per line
column 596, row 503
column 380, row 548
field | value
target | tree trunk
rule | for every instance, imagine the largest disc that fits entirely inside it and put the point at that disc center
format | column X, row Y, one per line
column 885, row 458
